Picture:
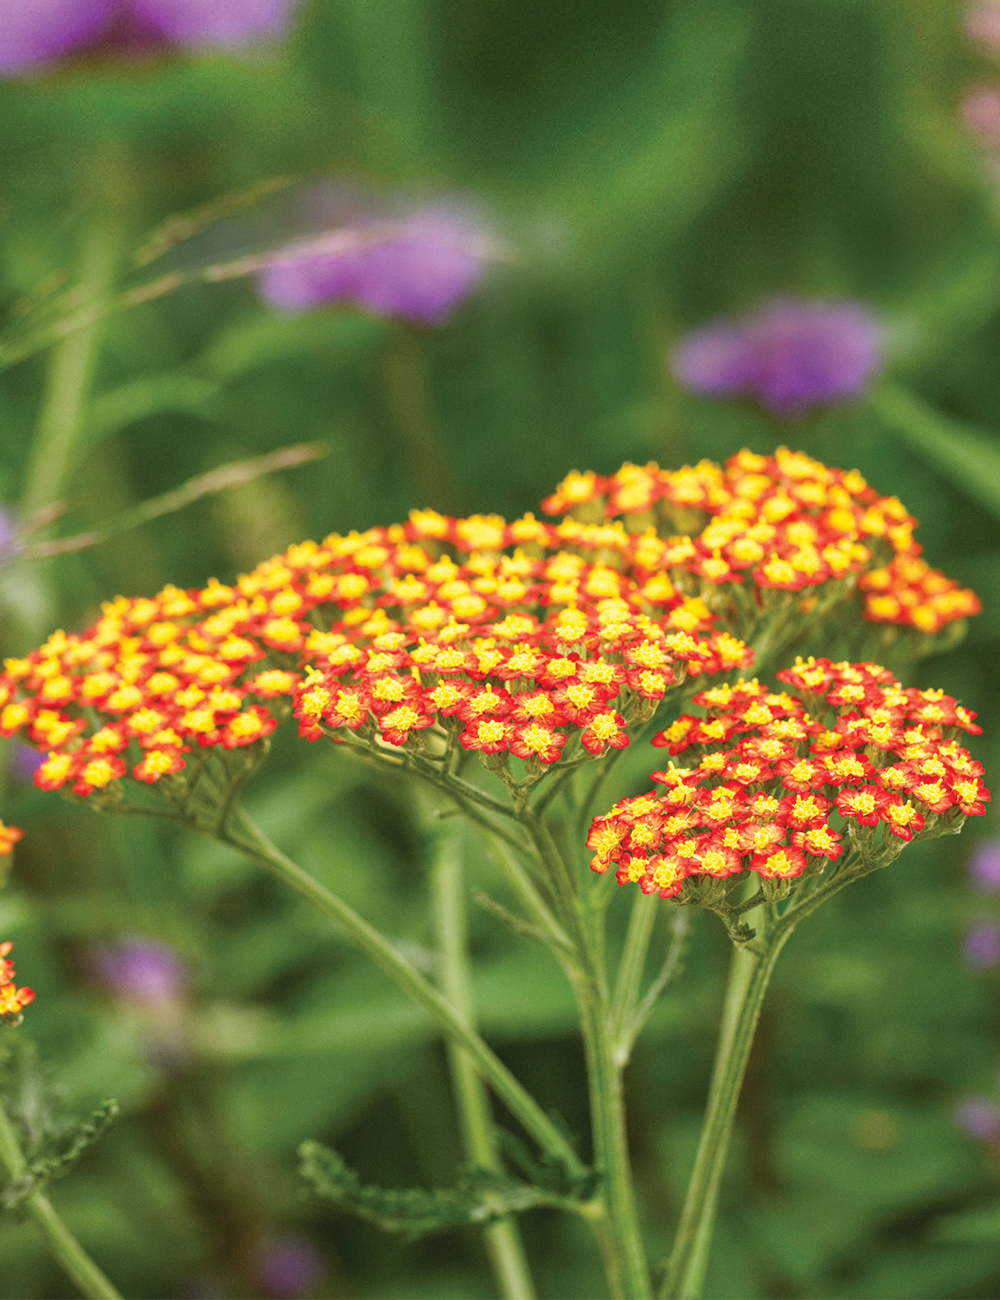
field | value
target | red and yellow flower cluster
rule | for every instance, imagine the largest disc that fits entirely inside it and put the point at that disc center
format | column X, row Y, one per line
column 785, row 522
column 12, row 999
column 515, row 637
column 780, row 778
column 508, row 632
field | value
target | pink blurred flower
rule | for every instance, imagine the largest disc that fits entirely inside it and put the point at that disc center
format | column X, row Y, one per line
column 982, row 24
column 981, row 111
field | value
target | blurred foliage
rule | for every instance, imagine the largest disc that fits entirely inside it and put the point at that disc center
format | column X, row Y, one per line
column 653, row 164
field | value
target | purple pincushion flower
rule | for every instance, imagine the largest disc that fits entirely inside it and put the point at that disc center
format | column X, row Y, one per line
column 418, row 266
column 215, row 22
column 981, row 948
column 979, row 1117
column 35, row 33
column 716, row 361
column 790, row 354
column 288, row 1266
column 140, row 969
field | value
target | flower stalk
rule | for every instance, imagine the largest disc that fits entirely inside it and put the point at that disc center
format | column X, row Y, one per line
column 749, row 976
column 246, row 836
column 60, row 1242
column 503, row 1241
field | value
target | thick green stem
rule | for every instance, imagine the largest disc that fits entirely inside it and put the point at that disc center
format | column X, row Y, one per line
column 748, row 979
column 503, row 1241
column 62, row 1245
column 618, row 1232
column 245, row 836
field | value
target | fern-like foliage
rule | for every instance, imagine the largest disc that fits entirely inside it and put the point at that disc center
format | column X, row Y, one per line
column 479, row 1198
column 52, row 1141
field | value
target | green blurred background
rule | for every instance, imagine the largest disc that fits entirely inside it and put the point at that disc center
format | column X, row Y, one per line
column 653, row 165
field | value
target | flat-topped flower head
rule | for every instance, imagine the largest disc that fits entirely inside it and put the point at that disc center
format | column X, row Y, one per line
column 767, row 524
column 514, row 641
column 790, row 354
column 833, row 782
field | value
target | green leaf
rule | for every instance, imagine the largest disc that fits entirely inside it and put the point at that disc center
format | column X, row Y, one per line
column 266, row 338
column 968, row 456
column 139, row 399
column 82, row 1136
column 481, row 1197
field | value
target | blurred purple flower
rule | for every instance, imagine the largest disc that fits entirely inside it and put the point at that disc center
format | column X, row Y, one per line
column 35, row 33
column 24, row 762
column 790, row 354
column 215, row 22
column 981, row 948
column 984, row 867
column 141, row 970
column 979, row 1117
column 288, row 1266
column 418, row 266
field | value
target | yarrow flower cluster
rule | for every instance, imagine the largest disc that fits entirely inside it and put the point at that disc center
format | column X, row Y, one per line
column 37, row 33
column 518, row 639
column 780, row 778
column 12, row 999
column 789, row 354
column 778, row 523
column 507, row 637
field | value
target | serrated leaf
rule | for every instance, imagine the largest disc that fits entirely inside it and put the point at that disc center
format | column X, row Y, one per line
column 39, row 1172
column 479, row 1198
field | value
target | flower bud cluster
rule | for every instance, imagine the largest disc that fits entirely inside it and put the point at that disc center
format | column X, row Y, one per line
column 780, row 778
column 783, row 522
column 12, row 999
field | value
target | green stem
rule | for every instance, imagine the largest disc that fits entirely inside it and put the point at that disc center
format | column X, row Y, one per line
column 749, row 975
column 503, row 1241
column 244, row 835
column 62, row 1245
column 532, row 902
column 60, row 419
column 618, row 1232
column 630, row 1027
column 640, row 929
